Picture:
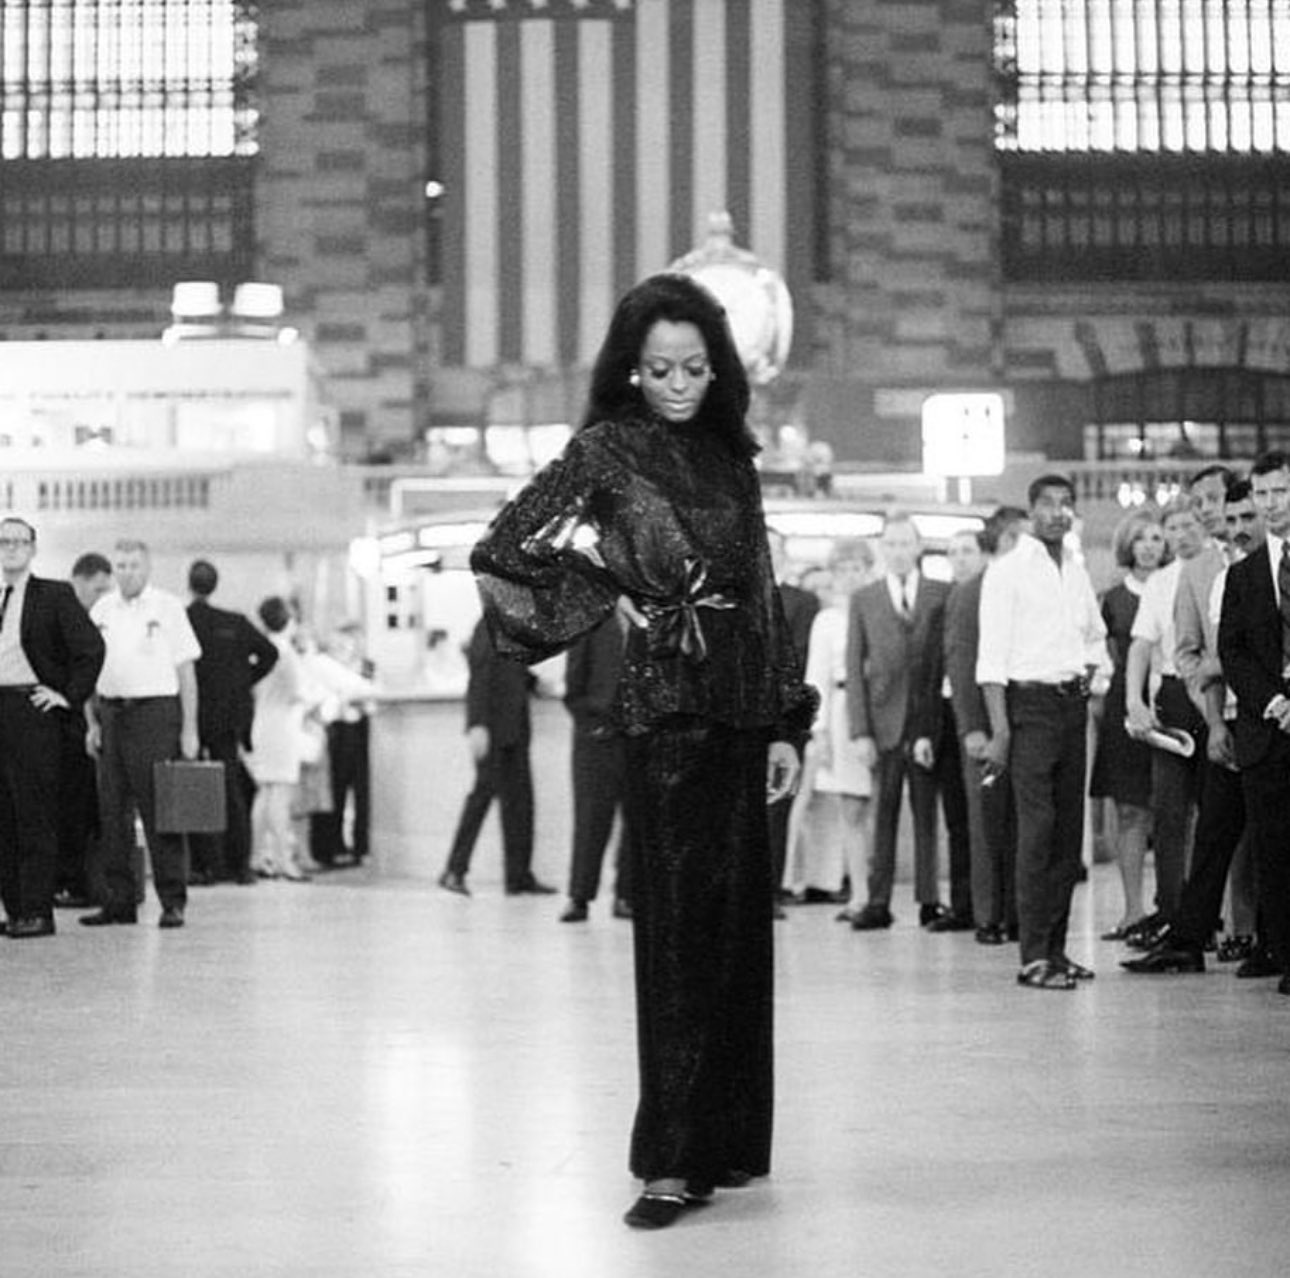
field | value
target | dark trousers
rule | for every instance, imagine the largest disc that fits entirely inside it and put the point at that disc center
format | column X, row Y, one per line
column 599, row 777
column 893, row 767
column 1175, row 789
column 503, row 775
column 137, row 734
column 78, row 812
column 226, row 855
column 1220, row 822
column 347, row 752
column 1047, row 762
column 948, row 771
column 1267, row 806
column 30, row 746
column 992, row 824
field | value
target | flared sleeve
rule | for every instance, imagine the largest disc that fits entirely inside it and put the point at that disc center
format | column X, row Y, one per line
column 540, row 575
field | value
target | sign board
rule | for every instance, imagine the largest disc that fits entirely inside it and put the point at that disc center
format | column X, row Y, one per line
column 963, row 434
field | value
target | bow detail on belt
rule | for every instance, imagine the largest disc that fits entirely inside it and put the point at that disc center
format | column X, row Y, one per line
column 676, row 625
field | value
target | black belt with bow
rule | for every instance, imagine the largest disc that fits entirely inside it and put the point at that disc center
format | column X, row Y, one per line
column 675, row 624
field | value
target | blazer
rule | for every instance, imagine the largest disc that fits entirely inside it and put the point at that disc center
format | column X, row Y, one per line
column 1249, row 646
column 962, row 641
column 61, row 643
column 800, row 607
column 235, row 657
column 497, row 693
column 895, row 668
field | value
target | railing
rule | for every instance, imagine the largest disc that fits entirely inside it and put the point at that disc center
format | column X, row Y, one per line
column 85, row 492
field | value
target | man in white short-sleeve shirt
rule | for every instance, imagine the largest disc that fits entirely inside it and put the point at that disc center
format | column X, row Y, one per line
column 144, row 712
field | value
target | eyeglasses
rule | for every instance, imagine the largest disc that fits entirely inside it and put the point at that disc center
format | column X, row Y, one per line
column 8, row 543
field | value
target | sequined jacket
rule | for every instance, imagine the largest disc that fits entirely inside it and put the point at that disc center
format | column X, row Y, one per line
column 671, row 517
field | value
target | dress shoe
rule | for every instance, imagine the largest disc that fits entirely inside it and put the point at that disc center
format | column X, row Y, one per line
column 107, row 917
column 1146, row 933
column 574, row 912
column 453, row 882
column 1167, row 956
column 1235, row 949
column 872, row 918
column 932, row 913
column 35, row 925
column 1040, row 974
column 622, row 908
column 950, row 922
column 531, row 888
column 1283, row 985
column 991, row 934
column 171, row 916
column 1259, row 964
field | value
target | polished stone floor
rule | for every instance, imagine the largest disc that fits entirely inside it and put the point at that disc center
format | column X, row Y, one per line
column 354, row 1079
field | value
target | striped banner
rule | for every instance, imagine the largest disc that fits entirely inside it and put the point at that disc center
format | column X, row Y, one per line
column 584, row 144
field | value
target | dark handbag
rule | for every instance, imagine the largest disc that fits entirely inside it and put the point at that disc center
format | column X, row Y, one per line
column 189, row 796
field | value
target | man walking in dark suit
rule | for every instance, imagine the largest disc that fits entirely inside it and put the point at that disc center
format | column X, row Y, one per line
column 895, row 668
column 235, row 656
column 592, row 673
column 1254, row 648
column 498, row 730
column 50, row 656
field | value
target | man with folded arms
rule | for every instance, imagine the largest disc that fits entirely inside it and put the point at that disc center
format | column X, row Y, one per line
column 1042, row 641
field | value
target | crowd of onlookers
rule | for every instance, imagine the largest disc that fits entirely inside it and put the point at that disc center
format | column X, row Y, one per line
column 107, row 676
column 999, row 702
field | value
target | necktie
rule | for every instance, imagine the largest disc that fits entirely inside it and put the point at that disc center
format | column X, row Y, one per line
column 5, row 592
column 906, row 603
column 1283, row 589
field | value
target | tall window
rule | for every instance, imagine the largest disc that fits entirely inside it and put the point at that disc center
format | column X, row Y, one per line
column 127, row 129
column 1144, row 139
column 1144, row 75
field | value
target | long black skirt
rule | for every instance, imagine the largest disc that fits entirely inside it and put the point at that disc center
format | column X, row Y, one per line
column 702, row 903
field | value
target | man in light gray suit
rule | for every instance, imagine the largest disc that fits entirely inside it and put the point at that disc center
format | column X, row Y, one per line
column 895, row 668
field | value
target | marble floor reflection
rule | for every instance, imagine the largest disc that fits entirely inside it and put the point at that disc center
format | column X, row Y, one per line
column 354, row 1079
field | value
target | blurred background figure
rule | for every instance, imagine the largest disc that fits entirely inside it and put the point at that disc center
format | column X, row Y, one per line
column 79, row 881
column 829, row 835
column 235, row 657
column 279, row 745
column 592, row 672
column 1122, row 766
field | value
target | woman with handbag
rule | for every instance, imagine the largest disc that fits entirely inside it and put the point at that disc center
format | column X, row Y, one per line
column 654, row 508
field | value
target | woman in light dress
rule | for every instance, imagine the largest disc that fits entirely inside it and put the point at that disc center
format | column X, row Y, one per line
column 828, row 831
column 279, row 744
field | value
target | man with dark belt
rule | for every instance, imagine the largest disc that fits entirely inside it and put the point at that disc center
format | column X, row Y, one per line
column 145, row 712
column 1042, row 640
column 50, row 656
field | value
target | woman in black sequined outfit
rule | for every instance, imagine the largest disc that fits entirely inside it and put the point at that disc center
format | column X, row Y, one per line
column 654, row 509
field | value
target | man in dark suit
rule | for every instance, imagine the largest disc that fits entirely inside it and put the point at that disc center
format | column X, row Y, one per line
column 592, row 673
column 1254, row 648
column 50, row 656
column 895, row 668
column 992, row 823
column 498, row 731
column 235, row 656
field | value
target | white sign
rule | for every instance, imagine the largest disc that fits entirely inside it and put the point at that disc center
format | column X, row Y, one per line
column 963, row 434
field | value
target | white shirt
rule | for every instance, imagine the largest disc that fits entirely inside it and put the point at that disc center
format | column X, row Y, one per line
column 1038, row 623
column 148, row 638
column 14, row 667
column 1154, row 621
column 1275, row 550
column 903, row 591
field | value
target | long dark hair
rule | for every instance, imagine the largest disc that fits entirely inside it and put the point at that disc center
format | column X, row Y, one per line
column 679, row 300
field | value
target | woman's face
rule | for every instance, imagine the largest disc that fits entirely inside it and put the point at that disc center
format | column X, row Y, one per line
column 674, row 370
column 1149, row 548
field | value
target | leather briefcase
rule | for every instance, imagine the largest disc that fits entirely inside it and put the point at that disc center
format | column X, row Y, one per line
column 190, row 796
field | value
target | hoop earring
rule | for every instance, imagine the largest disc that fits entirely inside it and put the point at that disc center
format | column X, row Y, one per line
column 634, row 378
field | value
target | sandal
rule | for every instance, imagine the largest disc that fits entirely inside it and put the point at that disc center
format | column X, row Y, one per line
column 1043, row 975
column 655, row 1210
